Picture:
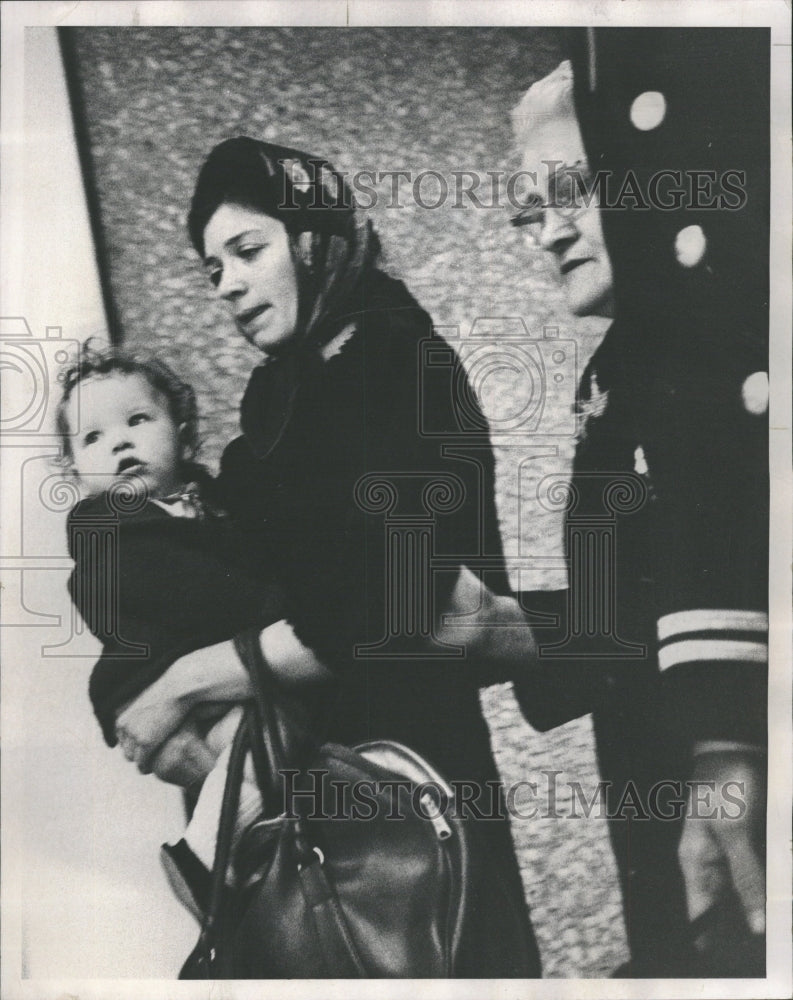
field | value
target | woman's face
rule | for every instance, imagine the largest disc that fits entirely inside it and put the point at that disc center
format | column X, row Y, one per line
column 574, row 238
column 568, row 225
column 249, row 263
column 583, row 261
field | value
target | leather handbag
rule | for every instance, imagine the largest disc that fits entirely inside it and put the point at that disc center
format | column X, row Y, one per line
column 360, row 871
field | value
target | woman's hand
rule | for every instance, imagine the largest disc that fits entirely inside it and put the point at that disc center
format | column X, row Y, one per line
column 210, row 674
column 186, row 757
column 221, row 734
column 144, row 725
column 721, row 849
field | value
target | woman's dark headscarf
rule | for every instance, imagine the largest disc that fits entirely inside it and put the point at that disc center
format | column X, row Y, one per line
column 332, row 245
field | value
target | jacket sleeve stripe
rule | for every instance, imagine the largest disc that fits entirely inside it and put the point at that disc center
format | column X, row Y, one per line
column 711, row 650
column 711, row 620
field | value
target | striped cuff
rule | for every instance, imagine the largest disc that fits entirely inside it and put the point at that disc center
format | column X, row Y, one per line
column 712, row 635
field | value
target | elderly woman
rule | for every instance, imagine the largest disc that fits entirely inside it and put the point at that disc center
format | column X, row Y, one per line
column 333, row 438
column 675, row 674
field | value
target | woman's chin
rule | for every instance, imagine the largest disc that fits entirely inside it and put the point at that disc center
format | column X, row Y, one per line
column 270, row 342
column 269, row 349
column 591, row 305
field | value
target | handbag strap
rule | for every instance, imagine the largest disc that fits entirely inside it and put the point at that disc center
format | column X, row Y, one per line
column 225, row 837
column 267, row 749
column 266, row 741
column 259, row 731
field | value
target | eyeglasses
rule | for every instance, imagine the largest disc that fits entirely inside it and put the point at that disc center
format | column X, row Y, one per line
column 571, row 191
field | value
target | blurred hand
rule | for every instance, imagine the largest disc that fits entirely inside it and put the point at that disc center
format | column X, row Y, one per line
column 721, row 850
column 491, row 627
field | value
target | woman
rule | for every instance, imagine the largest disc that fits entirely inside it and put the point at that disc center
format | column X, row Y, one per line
column 332, row 445
column 663, row 418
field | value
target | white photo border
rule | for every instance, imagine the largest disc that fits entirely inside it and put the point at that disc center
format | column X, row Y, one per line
column 778, row 983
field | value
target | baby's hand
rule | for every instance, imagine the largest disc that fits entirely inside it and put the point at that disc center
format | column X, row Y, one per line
column 185, row 758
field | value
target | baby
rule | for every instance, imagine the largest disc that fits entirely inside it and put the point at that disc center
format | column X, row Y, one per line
column 160, row 571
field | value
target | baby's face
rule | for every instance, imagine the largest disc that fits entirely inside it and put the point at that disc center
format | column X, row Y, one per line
column 122, row 428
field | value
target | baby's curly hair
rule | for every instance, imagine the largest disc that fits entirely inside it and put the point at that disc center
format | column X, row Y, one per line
column 98, row 362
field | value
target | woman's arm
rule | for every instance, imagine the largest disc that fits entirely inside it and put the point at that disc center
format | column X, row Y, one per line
column 212, row 674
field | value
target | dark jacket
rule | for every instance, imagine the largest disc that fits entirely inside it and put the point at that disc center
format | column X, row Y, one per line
column 358, row 466
column 152, row 587
column 682, row 364
column 375, row 487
